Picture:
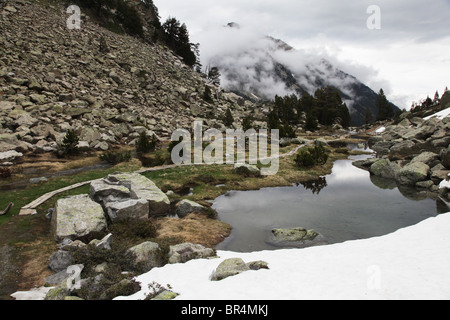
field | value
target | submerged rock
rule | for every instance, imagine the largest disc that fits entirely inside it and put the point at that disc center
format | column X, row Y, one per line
column 295, row 237
column 295, row 234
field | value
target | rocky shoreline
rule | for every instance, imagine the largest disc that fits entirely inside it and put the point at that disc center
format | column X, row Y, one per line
column 415, row 152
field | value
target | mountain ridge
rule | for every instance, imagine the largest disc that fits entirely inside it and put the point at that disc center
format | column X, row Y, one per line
column 267, row 68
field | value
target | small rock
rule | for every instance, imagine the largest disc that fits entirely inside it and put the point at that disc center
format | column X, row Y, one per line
column 426, row 157
column 404, row 145
column 185, row 207
column 413, row 173
column 125, row 287
column 184, row 252
column 104, row 243
column 130, row 209
column 256, row 265
column 38, row 180
column 63, row 275
column 147, row 255
column 60, row 260
column 425, row 184
column 166, row 295
column 229, row 267
column 10, row 9
column 10, row 155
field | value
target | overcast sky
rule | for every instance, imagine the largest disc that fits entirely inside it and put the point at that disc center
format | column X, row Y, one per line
column 409, row 56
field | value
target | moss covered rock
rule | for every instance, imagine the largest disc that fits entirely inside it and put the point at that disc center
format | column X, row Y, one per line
column 413, row 173
column 166, row 295
column 385, row 169
column 147, row 255
column 78, row 217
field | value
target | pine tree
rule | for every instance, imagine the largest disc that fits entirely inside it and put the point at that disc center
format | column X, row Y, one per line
column 144, row 144
column 436, row 99
column 273, row 121
column 228, row 121
column 213, row 75
column 247, row 124
column 176, row 36
column 368, row 116
column 384, row 108
column 70, row 143
column 311, row 122
column 207, row 95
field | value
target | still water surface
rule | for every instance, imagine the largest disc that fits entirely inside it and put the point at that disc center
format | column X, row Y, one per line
column 348, row 204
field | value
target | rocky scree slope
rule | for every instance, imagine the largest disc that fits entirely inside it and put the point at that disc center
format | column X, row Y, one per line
column 107, row 87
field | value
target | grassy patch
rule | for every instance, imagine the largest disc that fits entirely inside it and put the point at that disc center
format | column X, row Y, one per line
column 22, row 197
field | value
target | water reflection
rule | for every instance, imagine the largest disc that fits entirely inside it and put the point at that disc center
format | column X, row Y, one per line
column 314, row 185
column 346, row 205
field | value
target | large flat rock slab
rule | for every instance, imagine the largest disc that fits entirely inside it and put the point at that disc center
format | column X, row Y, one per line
column 78, row 217
column 143, row 188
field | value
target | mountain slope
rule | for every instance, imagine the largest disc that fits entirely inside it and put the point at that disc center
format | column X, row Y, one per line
column 108, row 87
column 265, row 67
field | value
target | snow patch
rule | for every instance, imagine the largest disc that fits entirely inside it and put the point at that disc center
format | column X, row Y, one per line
column 440, row 115
column 380, row 130
column 411, row 263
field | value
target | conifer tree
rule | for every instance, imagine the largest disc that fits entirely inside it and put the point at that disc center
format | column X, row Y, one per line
column 213, row 75
column 228, row 121
column 368, row 116
column 383, row 106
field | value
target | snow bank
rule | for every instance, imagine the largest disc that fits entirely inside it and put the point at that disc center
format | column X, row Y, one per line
column 444, row 184
column 441, row 114
column 411, row 263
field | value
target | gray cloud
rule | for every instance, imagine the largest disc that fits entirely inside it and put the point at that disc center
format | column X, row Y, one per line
column 337, row 30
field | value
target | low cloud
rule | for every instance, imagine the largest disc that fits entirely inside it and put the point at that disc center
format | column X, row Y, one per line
column 336, row 31
column 248, row 60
